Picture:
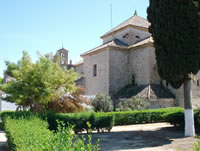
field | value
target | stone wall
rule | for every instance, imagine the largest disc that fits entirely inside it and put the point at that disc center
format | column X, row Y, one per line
column 142, row 66
column 100, row 82
column 179, row 93
column 157, row 103
column 79, row 68
column 128, row 35
column 118, row 74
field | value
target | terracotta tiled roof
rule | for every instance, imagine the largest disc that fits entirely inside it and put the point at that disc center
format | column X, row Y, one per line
column 115, row 43
column 134, row 21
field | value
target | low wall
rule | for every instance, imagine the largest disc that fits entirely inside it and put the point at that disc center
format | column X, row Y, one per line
column 157, row 103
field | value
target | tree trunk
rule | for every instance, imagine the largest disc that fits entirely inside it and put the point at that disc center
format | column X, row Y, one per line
column 188, row 111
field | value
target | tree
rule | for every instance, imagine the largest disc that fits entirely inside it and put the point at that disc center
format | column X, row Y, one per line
column 38, row 83
column 175, row 28
column 1, row 80
column 11, row 66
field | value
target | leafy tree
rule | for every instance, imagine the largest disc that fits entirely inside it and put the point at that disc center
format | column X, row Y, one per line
column 38, row 83
column 175, row 27
column 1, row 80
column 11, row 66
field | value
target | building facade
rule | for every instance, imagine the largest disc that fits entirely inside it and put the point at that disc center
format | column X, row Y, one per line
column 126, row 55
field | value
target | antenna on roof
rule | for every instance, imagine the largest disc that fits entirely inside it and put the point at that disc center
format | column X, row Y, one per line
column 111, row 16
column 62, row 46
column 135, row 14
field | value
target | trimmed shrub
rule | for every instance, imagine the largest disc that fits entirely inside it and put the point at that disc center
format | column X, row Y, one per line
column 32, row 134
column 105, row 121
column 102, row 103
column 134, row 104
column 27, row 133
column 98, row 121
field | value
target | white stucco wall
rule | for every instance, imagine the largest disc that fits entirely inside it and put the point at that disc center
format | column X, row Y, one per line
column 100, row 83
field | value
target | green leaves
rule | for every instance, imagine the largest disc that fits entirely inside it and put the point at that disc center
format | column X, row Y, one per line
column 38, row 83
column 30, row 133
column 175, row 27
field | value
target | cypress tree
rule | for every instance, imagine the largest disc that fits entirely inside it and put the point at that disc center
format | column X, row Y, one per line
column 175, row 28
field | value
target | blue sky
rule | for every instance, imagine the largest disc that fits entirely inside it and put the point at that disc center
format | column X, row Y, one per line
column 44, row 25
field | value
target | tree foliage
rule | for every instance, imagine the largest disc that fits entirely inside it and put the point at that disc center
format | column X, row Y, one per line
column 11, row 66
column 38, row 83
column 175, row 27
column 1, row 80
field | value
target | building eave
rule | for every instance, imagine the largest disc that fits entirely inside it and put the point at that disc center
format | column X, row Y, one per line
column 108, row 47
column 150, row 44
column 125, row 27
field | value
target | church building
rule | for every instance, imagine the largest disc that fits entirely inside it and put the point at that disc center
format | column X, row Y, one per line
column 127, row 55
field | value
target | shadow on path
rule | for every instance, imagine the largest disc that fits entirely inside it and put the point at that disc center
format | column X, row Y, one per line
column 169, row 138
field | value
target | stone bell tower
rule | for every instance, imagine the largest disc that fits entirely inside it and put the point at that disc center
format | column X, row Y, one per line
column 63, row 53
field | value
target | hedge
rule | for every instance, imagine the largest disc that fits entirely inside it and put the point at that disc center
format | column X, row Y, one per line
column 98, row 121
column 31, row 133
column 105, row 121
column 27, row 134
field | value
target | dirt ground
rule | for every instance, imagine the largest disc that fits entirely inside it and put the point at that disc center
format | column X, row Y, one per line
column 145, row 137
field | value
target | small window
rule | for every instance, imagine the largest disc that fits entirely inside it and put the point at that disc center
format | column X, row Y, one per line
column 198, row 82
column 137, row 36
column 167, row 84
column 95, row 70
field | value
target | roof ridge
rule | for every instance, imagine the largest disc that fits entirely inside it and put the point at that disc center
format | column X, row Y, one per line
column 117, row 26
column 133, row 20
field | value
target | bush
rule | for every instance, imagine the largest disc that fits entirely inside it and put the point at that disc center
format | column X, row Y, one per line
column 27, row 134
column 139, row 117
column 105, row 121
column 31, row 133
column 196, row 146
column 102, row 103
column 134, row 104
column 68, row 103
column 98, row 121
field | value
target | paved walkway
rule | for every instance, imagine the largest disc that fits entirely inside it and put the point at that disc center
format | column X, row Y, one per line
column 145, row 137
column 3, row 139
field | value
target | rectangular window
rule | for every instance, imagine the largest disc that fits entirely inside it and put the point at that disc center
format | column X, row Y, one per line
column 62, row 58
column 198, row 82
column 95, row 70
